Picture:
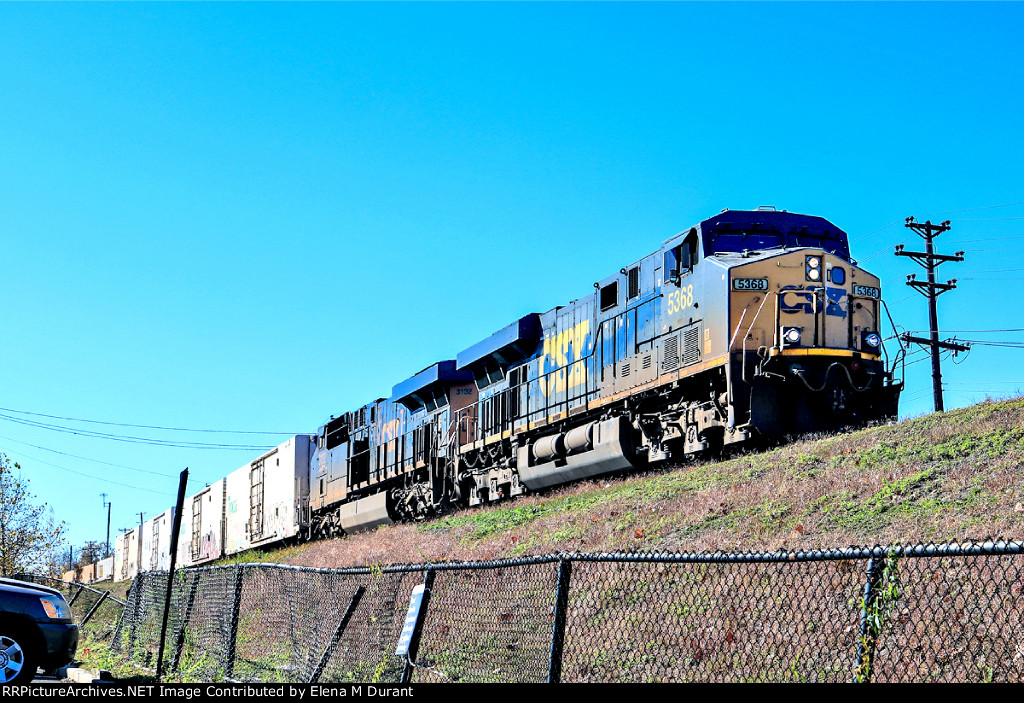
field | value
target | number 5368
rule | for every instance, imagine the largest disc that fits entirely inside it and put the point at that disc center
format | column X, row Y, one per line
column 679, row 300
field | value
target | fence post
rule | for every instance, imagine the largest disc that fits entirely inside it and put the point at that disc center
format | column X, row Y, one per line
column 179, row 639
column 414, row 641
column 322, row 664
column 869, row 621
column 558, row 629
column 175, row 530
column 75, row 597
column 137, row 585
column 229, row 651
column 94, row 608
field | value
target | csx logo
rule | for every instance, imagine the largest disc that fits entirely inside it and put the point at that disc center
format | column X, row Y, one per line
column 389, row 431
column 794, row 299
column 563, row 349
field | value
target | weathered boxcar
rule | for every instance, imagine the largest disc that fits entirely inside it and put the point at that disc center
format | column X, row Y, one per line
column 105, row 569
column 126, row 555
column 267, row 498
column 156, row 542
column 202, row 526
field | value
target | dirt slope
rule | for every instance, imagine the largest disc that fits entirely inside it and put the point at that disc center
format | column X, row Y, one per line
column 950, row 476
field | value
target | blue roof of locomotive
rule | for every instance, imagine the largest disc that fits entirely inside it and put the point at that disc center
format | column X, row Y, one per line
column 522, row 335
column 441, row 372
column 785, row 223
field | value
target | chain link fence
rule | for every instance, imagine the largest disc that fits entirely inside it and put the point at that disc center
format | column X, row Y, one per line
column 906, row 613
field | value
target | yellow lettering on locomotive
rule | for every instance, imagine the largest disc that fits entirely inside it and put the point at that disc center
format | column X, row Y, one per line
column 679, row 300
column 390, row 430
column 563, row 349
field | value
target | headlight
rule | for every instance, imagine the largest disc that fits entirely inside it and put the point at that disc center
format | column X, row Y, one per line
column 812, row 267
column 791, row 335
column 56, row 608
column 872, row 340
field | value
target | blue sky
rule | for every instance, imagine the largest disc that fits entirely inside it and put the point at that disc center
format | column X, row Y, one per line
column 253, row 216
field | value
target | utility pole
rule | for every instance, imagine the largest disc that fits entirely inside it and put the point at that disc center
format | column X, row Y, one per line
column 107, row 505
column 931, row 290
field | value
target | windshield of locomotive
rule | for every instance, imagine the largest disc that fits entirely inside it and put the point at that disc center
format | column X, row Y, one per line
column 730, row 240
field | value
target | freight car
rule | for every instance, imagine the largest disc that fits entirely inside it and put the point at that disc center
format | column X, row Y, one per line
column 126, row 554
column 748, row 324
column 156, row 542
column 751, row 323
column 262, row 502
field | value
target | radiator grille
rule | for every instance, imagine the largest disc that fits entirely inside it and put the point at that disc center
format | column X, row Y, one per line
column 691, row 345
column 670, row 362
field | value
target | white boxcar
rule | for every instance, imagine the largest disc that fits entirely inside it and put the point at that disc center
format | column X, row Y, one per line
column 202, row 526
column 156, row 542
column 266, row 498
column 126, row 555
column 105, row 569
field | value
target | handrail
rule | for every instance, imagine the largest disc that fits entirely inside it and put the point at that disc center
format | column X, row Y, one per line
column 902, row 356
column 743, row 360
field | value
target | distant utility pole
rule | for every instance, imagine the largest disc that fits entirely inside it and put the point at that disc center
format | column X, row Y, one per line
column 931, row 290
column 107, row 505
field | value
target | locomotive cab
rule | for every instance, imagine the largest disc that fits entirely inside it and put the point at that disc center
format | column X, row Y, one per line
column 805, row 324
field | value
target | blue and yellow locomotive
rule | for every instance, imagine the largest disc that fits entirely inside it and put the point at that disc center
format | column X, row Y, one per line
column 751, row 323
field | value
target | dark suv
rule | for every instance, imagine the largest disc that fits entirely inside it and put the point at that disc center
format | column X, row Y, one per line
column 36, row 630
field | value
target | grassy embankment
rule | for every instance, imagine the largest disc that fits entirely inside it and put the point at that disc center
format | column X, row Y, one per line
column 951, row 476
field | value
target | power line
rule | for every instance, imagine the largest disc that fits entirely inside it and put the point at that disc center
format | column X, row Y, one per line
column 990, row 239
column 148, row 427
column 986, row 343
column 1002, row 391
column 987, row 219
column 1010, row 329
column 85, row 458
column 97, row 461
column 133, row 439
column 973, row 209
column 97, row 478
column 1002, row 270
column 947, row 212
column 876, row 231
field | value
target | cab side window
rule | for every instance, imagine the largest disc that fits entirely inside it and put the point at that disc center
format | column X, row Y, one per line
column 680, row 260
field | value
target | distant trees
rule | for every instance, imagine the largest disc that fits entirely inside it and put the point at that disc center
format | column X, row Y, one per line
column 31, row 538
column 89, row 553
